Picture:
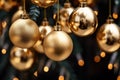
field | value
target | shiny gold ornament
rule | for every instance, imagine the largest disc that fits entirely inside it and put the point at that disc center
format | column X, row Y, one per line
column 44, row 30
column 108, row 36
column 64, row 15
column 57, row 45
column 24, row 33
column 83, row 21
column 21, row 59
column 44, row 3
column 18, row 14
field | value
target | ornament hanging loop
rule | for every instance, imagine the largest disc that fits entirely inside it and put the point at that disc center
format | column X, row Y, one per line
column 45, row 15
column 110, row 16
column 24, row 15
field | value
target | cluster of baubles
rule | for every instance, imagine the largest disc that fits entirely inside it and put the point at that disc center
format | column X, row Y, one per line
column 55, row 42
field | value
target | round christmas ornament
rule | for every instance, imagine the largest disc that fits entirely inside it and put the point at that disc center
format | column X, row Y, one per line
column 108, row 36
column 24, row 33
column 21, row 59
column 44, row 3
column 44, row 30
column 64, row 15
column 18, row 14
column 83, row 21
column 57, row 45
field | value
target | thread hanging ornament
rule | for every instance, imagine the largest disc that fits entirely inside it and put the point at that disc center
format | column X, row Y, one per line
column 57, row 44
column 65, row 13
column 44, row 30
column 24, row 32
column 83, row 21
column 21, row 59
column 108, row 36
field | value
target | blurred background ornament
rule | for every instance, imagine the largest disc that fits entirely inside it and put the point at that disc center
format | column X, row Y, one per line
column 57, row 45
column 21, row 59
column 64, row 15
column 44, row 30
column 7, row 5
column 82, row 23
column 44, row 3
column 18, row 14
column 108, row 36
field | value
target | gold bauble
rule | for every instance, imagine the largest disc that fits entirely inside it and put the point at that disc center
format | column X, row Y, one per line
column 24, row 33
column 64, row 15
column 21, row 59
column 57, row 45
column 44, row 30
column 44, row 3
column 17, row 14
column 108, row 36
column 83, row 21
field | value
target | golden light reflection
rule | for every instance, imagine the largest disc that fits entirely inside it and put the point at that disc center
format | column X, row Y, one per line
column 46, row 69
column 4, row 24
column 96, row 12
column 35, row 73
column 110, row 66
column 97, row 59
column 102, row 54
column 61, row 77
column 115, row 15
column 118, row 78
column 3, row 51
column 81, row 63
column 15, row 78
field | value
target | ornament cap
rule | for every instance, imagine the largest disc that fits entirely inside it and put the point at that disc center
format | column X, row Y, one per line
column 83, row 4
column 24, row 16
column 110, row 20
column 67, row 5
column 45, row 22
column 58, row 27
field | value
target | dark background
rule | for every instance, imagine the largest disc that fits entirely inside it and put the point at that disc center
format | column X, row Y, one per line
column 86, row 47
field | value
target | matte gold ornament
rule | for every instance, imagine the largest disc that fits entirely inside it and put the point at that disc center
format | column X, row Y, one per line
column 108, row 36
column 18, row 14
column 24, row 33
column 44, row 30
column 44, row 3
column 64, row 15
column 21, row 59
column 83, row 21
column 57, row 45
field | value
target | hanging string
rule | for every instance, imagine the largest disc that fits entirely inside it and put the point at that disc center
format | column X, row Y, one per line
column 58, row 18
column 110, row 16
column 45, row 15
column 24, row 9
